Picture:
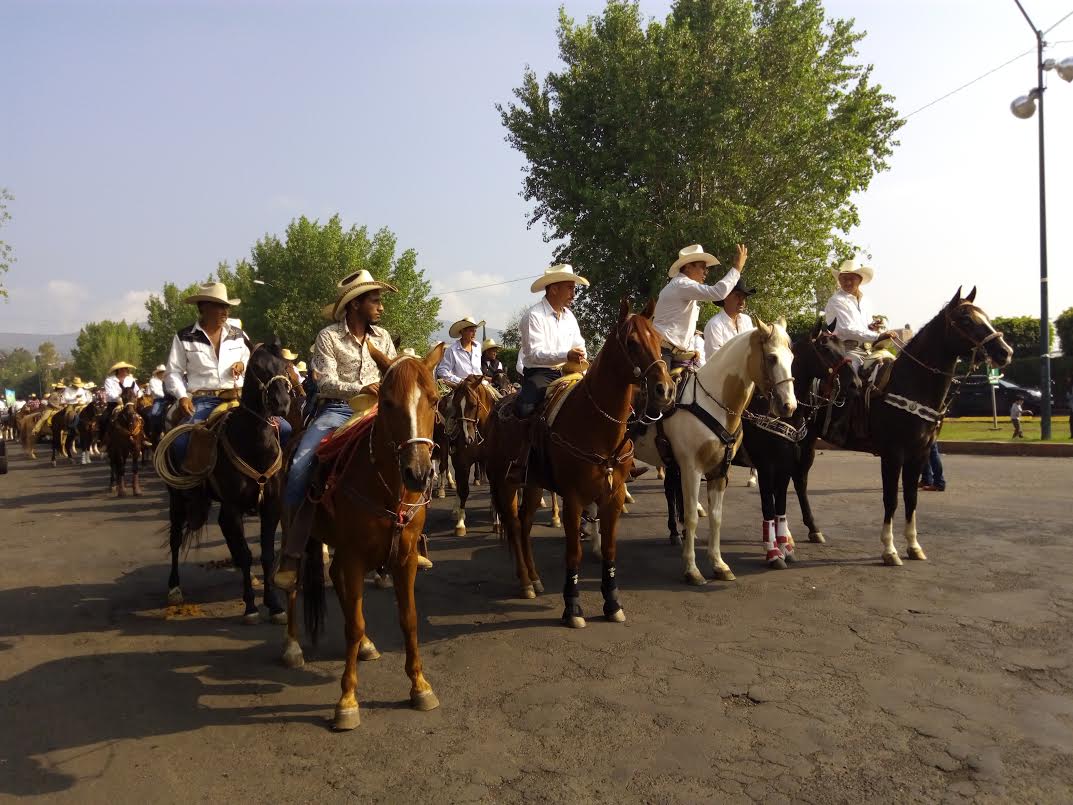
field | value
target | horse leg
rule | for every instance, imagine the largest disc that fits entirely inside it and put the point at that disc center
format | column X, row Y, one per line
column 462, row 490
column 572, row 614
column 891, row 468
column 507, row 503
column 176, row 518
column 556, row 516
column 120, row 464
column 530, row 498
column 230, row 521
column 609, row 514
column 292, row 649
column 716, row 487
column 350, row 594
column 269, row 520
column 766, row 475
column 421, row 694
column 800, row 477
column 670, row 480
column 688, row 483
column 783, row 538
column 909, row 495
column 135, row 482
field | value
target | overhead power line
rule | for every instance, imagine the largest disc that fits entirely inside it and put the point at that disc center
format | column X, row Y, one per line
column 489, row 285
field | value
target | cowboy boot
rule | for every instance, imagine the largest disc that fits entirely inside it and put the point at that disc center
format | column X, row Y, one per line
column 295, row 537
column 783, row 539
column 423, row 561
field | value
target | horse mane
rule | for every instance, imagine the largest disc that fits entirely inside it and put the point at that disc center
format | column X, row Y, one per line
column 406, row 370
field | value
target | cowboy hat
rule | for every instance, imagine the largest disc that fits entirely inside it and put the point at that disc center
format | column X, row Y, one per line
column 410, row 351
column 300, row 366
column 740, row 288
column 287, row 354
column 854, row 266
column 77, row 382
column 89, row 385
column 488, row 344
column 212, row 292
column 160, row 368
column 121, row 365
column 563, row 272
column 59, row 386
column 350, row 287
column 462, row 324
column 691, row 254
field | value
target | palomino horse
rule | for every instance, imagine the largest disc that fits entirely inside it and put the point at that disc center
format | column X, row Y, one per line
column 586, row 457
column 381, row 481
column 248, row 479
column 125, row 440
column 704, row 431
column 473, row 400
column 62, row 426
column 905, row 421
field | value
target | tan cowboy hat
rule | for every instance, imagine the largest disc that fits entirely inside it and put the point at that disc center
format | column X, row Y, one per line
column 212, row 292
column 854, row 266
column 77, row 382
column 89, row 385
column 691, row 254
column 300, row 366
column 160, row 368
column 409, row 351
column 350, row 287
column 288, row 355
column 59, row 386
column 121, row 365
column 462, row 324
column 563, row 272
column 489, row 343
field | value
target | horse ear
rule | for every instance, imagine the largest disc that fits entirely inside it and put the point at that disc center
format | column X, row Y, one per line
column 957, row 298
column 435, row 355
column 381, row 360
column 650, row 308
column 972, row 295
column 831, row 325
column 781, row 321
column 624, row 309
column 764, row 328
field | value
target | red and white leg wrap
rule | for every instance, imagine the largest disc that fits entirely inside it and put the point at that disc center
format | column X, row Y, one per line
column 783, row 538
column 771, row 548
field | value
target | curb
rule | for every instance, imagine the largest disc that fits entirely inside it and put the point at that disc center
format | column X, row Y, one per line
column 1011, row 448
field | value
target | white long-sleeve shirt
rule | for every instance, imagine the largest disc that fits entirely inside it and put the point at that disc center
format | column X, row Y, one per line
column 721, row 328
column 457, row 364
column 113, row 388
column 677, row 308
column 193, row 356
column 851, row 317
column 156, row 387
column 75, row 396
column 547, row 337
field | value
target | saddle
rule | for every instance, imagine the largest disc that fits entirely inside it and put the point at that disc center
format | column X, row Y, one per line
column 201, row 450
column 334, row 454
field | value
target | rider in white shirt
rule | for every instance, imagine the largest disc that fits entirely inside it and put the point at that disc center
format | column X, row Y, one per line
column 460, row 360
column 728, row 322
column 851, row 313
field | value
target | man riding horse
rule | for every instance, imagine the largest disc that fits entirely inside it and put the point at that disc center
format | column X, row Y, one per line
column 345, row 369
column 461, row 359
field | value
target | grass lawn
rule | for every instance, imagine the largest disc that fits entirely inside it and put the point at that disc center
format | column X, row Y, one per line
column 978, row 429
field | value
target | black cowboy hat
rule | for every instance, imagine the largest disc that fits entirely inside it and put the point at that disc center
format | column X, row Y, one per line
column 740, row 288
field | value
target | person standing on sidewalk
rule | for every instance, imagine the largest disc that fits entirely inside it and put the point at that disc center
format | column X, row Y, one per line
column 1016, row 410
column 933, row 480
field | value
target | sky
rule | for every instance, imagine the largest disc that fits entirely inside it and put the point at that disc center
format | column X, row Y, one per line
column 146, row 141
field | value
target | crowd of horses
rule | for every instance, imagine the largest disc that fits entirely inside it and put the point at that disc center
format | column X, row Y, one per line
column 760, row 393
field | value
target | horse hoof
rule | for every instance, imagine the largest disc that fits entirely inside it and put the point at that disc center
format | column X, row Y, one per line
column 292, row 656
column 175, row 597
column 618, row 616
column 346, row 718
column 816, row 536
column 543, row 502
column 538, row 586
column 574, row 621
column 279, row 618
column 724, row 574
column 424, row 563
column 528, row 591
column 556, row 522
column 460, row 531
column 675, row 539
column 628, row 498
column 424, row 700
column 367, row 651
column 625, row 509
column 53, row 462
column 892, row 559
column 251, row 618
column 916, row 553
column 778, row 563
column 695, row 578
column 383, row 582
column 440, row 493
column 476, row 483
column 790, row 557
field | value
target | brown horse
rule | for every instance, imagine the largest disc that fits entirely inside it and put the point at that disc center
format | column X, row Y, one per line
column 587, row 456
column 125, row 440
column 382, row 482
column 61, row 427
column 473, row 401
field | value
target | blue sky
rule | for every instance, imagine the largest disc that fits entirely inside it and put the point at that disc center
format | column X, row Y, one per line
column 145, row 141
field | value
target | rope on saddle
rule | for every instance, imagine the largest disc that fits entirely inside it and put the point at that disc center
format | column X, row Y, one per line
column 162, row 461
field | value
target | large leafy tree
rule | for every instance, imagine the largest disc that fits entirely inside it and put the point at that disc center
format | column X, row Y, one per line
column 731, row 120
column 15, row 366
column 7, row 254
column 1021, row 333
column 167, row 314
column 102, row 343
column 1064, row 325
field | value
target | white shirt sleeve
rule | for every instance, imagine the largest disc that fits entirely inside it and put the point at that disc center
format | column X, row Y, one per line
column 699, row 292
column 536, row 352
column 446, row 368
column 176, row 364
column 848, row 320
column 112, row 390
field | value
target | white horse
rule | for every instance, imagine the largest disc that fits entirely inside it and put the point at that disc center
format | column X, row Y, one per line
column 720, row 391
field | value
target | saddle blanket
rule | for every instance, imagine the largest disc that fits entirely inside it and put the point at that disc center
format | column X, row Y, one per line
column 556, row 394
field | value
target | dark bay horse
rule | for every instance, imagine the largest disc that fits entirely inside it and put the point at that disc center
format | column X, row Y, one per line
column 473, row 401
column 588, row 453
column 245, row 477
column 381, row 479
column 124, row 441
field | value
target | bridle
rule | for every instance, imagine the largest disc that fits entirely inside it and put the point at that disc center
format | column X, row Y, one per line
column 640, row 379
column 769, row 379
column 396, row 447
column 473, row 421
column 264, row 386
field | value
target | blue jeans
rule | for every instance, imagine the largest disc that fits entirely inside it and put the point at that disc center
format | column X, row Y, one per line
column 933, row 469
column 203, row 406
column 285, row 430
column 331, row 415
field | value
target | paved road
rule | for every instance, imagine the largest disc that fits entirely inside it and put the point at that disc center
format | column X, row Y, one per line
column 838, row 680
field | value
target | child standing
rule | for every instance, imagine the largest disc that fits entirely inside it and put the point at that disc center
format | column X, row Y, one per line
column 1016, row 410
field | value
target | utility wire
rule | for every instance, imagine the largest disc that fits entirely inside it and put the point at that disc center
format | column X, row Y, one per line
column 1066, row 17
column 489, row 285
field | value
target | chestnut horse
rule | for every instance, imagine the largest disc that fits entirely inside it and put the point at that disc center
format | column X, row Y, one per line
column 125, row 440
column 590, row 454
column 382, row 483
column 473, row 400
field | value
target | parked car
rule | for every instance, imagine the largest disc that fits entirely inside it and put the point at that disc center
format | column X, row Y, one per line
column 975, row 397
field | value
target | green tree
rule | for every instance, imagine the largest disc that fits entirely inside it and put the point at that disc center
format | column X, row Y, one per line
column 7, row 254
column 1021, row 333
column 1064, row 327
column 16, row 366
column 732, row 120
column 167, row 314
column 102, row 343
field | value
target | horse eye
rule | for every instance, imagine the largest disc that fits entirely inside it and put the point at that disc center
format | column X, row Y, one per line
column 772, row 359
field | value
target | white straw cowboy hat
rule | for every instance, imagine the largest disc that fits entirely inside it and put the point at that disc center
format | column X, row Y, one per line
column 287, row 354
column 691, row 254
column 854, row 266
column 462, row 324
column 563, row 272
column 300, row 366
column 410, row 351
column 77, row 382
column 160, row 368
column 89, row 385
column 489, row 343
column 212, row 292
column 121, row 365
column 350, row 287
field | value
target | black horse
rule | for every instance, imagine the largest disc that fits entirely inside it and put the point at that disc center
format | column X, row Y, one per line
column 246, row 477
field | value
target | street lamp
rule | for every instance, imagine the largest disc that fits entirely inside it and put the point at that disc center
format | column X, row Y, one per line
column 1024, row 107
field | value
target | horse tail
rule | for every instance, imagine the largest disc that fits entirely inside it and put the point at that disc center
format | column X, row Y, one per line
column 313, row 599
column 198, row 504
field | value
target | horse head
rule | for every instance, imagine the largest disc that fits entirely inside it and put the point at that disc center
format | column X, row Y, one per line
column 407, row 411
column 640, row 343
column 771, row 366
column 267, row 384
column 473, row 404
column 969, row 327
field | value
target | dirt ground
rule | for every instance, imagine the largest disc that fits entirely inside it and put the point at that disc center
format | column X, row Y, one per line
column 837, row 680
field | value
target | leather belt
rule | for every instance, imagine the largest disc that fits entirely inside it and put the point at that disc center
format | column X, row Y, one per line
column 223, row 394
